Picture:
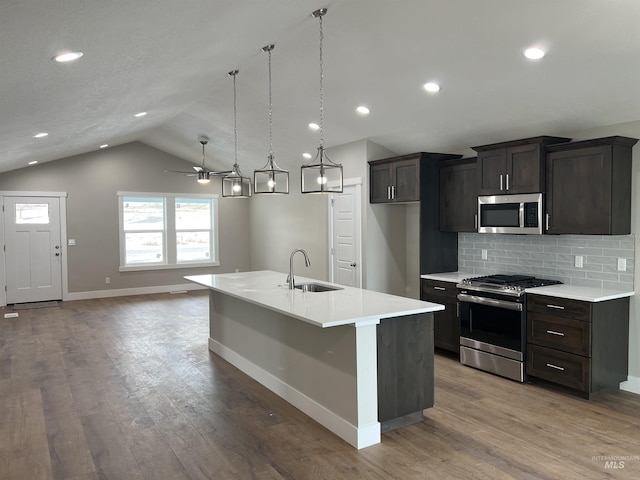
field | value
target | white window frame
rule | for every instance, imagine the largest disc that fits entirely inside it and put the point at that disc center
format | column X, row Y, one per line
column 169, row 240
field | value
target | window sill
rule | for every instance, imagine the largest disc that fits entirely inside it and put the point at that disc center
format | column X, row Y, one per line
column 139, row 268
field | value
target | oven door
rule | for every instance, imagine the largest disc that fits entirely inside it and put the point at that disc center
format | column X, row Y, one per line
column 493, row 324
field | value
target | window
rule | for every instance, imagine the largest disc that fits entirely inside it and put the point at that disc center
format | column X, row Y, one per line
column 167, row 231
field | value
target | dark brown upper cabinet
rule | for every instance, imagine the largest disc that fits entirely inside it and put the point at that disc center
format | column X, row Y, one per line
column 397, row 179
column 589, row 187
column 513, row 167
column 459, row 196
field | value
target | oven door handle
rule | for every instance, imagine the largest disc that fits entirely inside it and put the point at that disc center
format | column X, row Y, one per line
column 492, row 302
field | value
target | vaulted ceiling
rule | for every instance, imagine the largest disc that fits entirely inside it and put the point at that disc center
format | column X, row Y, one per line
column 170, row 59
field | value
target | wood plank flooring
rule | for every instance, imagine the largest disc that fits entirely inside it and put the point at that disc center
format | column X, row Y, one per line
column 125, row 388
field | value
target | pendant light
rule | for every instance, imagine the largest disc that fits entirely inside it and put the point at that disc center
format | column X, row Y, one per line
column 235, row 185
column 271, row 178
column 322, row 175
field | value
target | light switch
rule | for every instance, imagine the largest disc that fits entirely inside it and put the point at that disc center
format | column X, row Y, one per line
column 71, row 242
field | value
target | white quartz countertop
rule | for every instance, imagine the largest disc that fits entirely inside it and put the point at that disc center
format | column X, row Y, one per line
column 573, row 292
column 348, row 306
column 454, row 277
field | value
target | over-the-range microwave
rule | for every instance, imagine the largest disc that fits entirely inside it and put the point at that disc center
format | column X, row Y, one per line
column 519, row 214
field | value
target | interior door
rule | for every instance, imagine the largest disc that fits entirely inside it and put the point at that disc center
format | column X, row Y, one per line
column 345, row 242
column 33, row 249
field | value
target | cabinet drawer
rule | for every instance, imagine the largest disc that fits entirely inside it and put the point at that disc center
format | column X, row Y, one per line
column 437, row 288
column 559, row 307
column 566, row 334
column 566, row 369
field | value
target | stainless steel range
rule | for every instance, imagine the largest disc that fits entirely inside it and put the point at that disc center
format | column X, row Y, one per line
column 493, row 322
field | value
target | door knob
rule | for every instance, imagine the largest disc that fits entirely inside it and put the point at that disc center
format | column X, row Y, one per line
column 353, row 264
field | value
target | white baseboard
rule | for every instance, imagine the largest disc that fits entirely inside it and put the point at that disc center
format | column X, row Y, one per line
column 358, row 437
column 631, row 385
column 125, row 292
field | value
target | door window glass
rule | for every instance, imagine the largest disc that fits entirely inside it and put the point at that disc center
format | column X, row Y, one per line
column 32, row 213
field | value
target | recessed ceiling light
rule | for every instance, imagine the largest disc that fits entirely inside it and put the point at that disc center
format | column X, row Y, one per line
column 141, row 114
column 104, row 146
column 362, row 110
column 40, row 135
column 67, row 57
column 306, row 155
column 33, row 162
column 314, row 126
column 431, row 87
column 534, row 53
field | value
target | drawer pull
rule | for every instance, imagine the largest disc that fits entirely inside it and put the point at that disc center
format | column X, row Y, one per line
column 551, row 365
column 553, row 332
column 558, row 307
column 439, row 288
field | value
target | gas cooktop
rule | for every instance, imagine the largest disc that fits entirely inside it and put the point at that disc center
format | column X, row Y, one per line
column 508, row 284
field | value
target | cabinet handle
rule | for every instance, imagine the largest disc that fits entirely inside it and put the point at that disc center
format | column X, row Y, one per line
column 547, row 220
column 475, row 221
column 507, row 182
column 393, row 192
column 551, row 365
column 557, row 307
column 553, row 332
column 500, row 182
column 388, row 193
column 457, row 309
column 439, row 288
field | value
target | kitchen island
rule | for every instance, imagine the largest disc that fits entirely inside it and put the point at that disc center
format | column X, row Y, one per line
column 358, row 362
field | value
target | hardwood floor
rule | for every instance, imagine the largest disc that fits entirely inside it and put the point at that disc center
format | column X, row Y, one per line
column 125, row 388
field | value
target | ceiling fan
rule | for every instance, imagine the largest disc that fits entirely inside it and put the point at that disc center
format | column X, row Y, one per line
column 201, row 172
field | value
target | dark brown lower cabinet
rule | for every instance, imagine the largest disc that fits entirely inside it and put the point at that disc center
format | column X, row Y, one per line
column 405, row 369
column 446, row 323
column 579, row 345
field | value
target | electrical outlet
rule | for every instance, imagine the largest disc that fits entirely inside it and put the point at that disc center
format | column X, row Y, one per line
column 579, row 261
column 622, row 264
column 107, row 280
column 484, row 254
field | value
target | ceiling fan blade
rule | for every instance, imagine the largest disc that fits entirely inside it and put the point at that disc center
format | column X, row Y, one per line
column 188, row 174
column 197, row 168
column 218, row 174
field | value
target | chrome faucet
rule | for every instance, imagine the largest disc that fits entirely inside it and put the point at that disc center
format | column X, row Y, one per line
column 307, row 263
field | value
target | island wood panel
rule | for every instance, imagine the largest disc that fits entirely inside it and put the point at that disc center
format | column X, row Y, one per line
column 405, row 369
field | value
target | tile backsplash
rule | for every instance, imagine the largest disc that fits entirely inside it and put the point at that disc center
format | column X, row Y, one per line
column 551, row 256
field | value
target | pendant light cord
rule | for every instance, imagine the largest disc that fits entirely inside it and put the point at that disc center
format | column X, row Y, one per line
column 321, row 91
column 235, row 120
column 270, row 111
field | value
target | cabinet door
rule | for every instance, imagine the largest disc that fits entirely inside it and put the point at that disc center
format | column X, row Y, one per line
column 492, row 171
column 459, row 198
column 446, row 324
column 579, row 191
column 379, row 183
column 406, row 175
column 524, row 172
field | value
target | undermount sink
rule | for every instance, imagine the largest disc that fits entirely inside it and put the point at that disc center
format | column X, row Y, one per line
column 316, row 287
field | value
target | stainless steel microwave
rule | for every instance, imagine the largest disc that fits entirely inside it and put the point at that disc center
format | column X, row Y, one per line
column 519, row 214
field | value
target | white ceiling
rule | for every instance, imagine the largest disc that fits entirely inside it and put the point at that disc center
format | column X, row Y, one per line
column 171, row 58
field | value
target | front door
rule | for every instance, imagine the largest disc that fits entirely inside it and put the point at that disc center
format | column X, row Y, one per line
column 33, row 249
column 345, row 218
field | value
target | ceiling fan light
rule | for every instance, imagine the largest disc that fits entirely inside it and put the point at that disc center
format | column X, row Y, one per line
column 203, row 177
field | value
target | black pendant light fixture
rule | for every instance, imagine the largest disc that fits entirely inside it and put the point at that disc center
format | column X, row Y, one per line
column 270, row 178
column 321, row 175
column 234, row 185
